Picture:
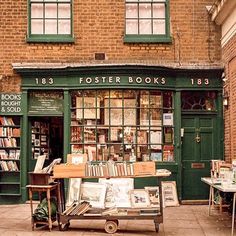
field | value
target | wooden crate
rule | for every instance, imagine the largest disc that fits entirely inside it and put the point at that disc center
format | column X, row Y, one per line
column 144, row 168
column 39, row 178
column 69, row 170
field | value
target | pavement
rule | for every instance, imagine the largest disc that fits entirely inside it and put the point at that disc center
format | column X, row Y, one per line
column 184, row 220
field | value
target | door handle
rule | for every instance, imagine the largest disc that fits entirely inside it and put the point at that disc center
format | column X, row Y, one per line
column 198, row 138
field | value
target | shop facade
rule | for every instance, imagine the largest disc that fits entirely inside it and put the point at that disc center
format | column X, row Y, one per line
column 125, row 113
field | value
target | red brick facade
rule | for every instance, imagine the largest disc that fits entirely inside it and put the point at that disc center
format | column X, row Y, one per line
column 229, row 59
column 99, row 27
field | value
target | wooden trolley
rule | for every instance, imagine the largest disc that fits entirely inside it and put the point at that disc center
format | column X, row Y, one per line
column 112, row 221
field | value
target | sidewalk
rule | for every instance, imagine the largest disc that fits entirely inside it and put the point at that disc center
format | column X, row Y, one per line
column 186, row 220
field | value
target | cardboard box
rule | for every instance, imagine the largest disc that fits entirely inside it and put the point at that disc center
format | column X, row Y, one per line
column 40, row 178
column 69, row 170
column 144, row 168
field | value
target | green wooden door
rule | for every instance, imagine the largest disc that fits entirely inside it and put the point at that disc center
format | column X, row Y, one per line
column 198, row 148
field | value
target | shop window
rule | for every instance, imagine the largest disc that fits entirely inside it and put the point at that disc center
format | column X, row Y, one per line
column 50, row 21
column 205, row 101
column 122, row 125
column 147, row 21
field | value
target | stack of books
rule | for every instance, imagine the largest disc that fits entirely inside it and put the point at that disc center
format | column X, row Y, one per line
column 77, row 208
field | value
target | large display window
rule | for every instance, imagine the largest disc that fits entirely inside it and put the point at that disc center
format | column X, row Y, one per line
column 123, row 125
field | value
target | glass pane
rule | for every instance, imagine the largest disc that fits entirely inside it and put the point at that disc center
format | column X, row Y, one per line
column 145, row 27
column 158, row 10
column 36, row 27
column 145, row 10
column 131, row 10
column 159, row 27
column 64, row 11
column 64, row 27
column 131, row 27
column 37, row 10
column 50, row 26
column 51, row 10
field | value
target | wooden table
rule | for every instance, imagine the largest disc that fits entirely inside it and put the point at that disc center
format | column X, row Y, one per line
column 47, row 189
column 231, row 188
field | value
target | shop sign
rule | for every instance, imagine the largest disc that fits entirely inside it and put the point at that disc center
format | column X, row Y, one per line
column 10, row 103
column 48, row 102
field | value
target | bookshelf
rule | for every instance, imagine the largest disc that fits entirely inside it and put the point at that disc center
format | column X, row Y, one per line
column 10, row 131
column 40, row 138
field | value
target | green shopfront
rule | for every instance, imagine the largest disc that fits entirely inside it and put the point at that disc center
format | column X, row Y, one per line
column 125, row 113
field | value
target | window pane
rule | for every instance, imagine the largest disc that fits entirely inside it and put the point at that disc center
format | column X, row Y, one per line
column 64, row 27
column 64, row 11
column 131, row 27
column 36, row 27
column 37, row 10
column 145, row 27
column 158, row 10
column 159, row 27
column 50, row 27
column 145, row 10
column 131, row 11
column 51, row 11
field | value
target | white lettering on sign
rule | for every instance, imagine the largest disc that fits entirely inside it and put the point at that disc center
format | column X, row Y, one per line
column 44, row 81
column 199, row 81
column 117, row 80
column 10, row 103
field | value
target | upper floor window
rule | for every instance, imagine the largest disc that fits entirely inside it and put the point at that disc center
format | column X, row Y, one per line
column 147, row 21
column 50, row 20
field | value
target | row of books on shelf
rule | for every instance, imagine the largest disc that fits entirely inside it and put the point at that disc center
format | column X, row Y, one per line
column 118, row 169
column 9, row 132
column 8, row 142
column 6, row 120
column 109, row 169
column 84, row 208
column 12, row 154
column 8, row 166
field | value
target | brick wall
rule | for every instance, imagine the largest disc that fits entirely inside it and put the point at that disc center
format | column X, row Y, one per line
column 229, row 59
column 99, row 27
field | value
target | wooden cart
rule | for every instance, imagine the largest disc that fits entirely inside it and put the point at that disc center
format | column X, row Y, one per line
column 112, row 221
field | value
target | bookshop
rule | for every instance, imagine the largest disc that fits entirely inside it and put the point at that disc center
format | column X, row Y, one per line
column 173, row 117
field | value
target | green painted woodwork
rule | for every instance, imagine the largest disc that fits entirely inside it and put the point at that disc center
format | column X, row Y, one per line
column 67, row 117
column 67, row 79
column 198, row 148
column 147, row 39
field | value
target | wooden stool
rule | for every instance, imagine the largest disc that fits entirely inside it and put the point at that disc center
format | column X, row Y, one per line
column 47, row 189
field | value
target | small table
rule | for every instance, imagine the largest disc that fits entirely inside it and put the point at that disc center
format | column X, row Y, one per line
column 226, row 189
column 47, row 189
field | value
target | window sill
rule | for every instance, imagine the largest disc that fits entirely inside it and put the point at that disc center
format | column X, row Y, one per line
column 147, row 39
column 50, row 39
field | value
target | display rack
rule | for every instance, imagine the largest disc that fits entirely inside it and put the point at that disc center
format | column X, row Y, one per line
column 112, row 221
column 10, row 131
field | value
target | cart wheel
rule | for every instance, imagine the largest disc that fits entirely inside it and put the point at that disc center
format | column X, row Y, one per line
column 111, row 226
column 64, row 227
column 116, row 221
column 157, row 227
